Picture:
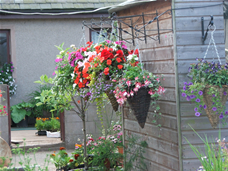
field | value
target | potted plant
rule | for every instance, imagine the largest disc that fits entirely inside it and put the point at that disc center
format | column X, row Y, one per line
column 138, row 86
column 208, row 89
column 40, row 125
column 53, row 127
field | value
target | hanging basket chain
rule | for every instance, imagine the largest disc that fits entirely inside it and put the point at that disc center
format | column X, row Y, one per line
column 83, row 37
column 137, row 47
column 101, row 30
column 212, row 41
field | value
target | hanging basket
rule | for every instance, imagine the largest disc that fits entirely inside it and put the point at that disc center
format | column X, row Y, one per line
column 140, row 104
column 112, row 99
column 207, row 99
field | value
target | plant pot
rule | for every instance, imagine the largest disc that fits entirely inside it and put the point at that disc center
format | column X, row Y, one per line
column 42, row 133
column 120, row 149
column 107, row 164
column 53, row 134
column 112, row 99
column 140, row 104
column 23, row 123
column 207, row 99
column 62, row 169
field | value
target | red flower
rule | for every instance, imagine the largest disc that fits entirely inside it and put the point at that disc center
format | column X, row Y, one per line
column 76, row 80
column 118, row 60
column 80, row 85
column 62, row 148
column 89, row 43
column 76, row 156
column 96, row 64
column 91, row 139
column 120, row 66
column 119, row 53
column 71, row 160
column 107, row 54
column 106, row 71
column 109, row 62
column 79, row 101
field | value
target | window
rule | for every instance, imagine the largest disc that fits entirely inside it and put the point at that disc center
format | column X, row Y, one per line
column 94, row 35
column 4, row 47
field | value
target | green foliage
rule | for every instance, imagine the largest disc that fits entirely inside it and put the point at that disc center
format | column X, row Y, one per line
column 133, row 154
column 39, row 125
column 20, row 110
column 215, row 157
column 25, row 160
column 38, row 110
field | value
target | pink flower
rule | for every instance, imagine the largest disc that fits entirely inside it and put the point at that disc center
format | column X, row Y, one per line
column 108, row 41
column 128, row 83
column 135, row 89
column 53, row 73
column 132, row 93
column 128, row 95
column 148, row 76
column 136, row 78
column 143, row 76
column 113, row 80
column 125, row 93
column 158, row 79
column 147, row 83
column 151, row 92
column 161, row 90
column 138, row 85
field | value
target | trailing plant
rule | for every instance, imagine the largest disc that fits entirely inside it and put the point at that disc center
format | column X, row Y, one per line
column 3, row 111
column 6, row 77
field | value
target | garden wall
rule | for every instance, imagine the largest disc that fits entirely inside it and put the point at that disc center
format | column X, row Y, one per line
column 162, row 151
column 188, row 48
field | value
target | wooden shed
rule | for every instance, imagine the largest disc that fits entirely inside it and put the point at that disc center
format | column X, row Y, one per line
column 177, row 44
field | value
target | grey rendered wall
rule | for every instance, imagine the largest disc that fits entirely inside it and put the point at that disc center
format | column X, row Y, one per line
column 189, row 47
column 34, row 50
column 34, row 53
column 162, row 151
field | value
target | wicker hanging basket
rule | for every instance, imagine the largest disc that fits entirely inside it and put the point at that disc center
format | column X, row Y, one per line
column 112, row 99
column 207, row 99
column 140, row 104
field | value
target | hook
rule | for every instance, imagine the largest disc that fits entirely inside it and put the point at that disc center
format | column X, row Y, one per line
column 211, row 23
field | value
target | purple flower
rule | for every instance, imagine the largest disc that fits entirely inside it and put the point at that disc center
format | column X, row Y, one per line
column 185, row 83
column 221, row 116
column 197, row 100
column 197, row 114
column 11, row 66
column 2, row 71
column 214, row 108
column 213, row 95
column 200, row 93
column 11, row 70
column 184, row 88
column 183, row 94
column 190, row 83
column 226, row 113
column 192, row 96
column 196, row 109
column 200, row 106
column 225, row 93
column 188, row 98
column 204, row 106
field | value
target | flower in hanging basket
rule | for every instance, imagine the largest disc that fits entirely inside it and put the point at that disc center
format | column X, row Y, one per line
column 208, row 89
column 138, row 86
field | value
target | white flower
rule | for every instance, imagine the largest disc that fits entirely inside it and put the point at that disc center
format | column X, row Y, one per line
column 74, row 85
column 129, row 57
column 72, row 46
column 61, row 52
column 72, row 75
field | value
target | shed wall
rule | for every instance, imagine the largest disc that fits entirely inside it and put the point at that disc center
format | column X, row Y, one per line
column 189, row 47
column 162, row 151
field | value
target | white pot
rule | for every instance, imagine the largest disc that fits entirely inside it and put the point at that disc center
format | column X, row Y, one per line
column 53, row 134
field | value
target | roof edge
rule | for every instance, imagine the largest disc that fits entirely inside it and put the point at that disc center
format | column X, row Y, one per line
column 127, row 4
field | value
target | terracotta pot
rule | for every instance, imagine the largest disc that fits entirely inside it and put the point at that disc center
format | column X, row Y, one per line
column 120, row 149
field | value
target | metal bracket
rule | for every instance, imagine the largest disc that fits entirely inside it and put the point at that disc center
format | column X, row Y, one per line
column 204, row 36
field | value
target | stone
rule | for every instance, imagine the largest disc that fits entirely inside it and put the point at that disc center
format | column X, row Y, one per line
column 5, row 152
